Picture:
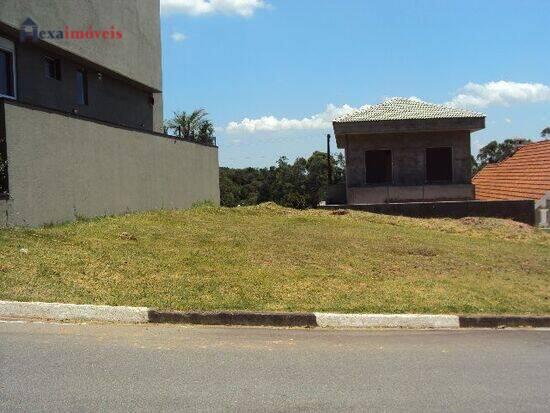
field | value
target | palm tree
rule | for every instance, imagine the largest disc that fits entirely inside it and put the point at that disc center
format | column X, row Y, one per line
column 206, row 132
column 545, row 132
column 193, row 126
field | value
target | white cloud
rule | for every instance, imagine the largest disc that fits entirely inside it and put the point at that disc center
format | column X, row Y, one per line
column 244, row 8
column 500, row 93
column 178, row 37
column 477, row 144
column 507, row 120
column 270, row 123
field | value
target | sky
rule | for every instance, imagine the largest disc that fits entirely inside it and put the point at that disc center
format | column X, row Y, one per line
column 273, row 74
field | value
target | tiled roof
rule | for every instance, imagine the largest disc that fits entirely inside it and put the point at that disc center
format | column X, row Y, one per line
column 524, row 175
column 403, row 108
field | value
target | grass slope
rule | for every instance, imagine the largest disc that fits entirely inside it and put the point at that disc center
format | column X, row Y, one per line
column 271, row 258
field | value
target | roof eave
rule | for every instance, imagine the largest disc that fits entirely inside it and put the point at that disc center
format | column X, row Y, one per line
column 407, row 126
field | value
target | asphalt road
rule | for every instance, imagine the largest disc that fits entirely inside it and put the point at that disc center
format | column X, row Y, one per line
column 94, row 367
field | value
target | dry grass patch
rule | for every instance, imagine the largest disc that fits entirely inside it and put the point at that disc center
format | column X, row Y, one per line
column 271, row 258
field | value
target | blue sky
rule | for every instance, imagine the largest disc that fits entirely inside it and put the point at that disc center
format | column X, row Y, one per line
column 290, row 66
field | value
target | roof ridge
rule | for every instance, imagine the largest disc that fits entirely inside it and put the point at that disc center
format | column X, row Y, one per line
column 401, row 108
column 535, row 143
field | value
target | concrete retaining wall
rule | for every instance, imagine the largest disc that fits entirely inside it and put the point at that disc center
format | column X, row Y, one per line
column 396, row 193
column 62, row 167
column 518, row 210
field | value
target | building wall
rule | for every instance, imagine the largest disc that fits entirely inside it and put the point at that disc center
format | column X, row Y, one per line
column 61, row 167
column 136, row 56
column 3, row 163
column 408, row 155
column 109, row 99
column 3, row 212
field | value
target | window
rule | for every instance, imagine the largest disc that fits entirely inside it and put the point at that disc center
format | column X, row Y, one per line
column 378, row 167
column 53, row 68
column 7, row 68
column 439, row 165
column 81, row 87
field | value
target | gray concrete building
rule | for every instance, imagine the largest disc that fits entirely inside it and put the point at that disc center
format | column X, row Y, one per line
column 81, row 115
column 404, row 150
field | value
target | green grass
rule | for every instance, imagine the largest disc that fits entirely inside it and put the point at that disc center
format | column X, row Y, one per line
column 271, row 258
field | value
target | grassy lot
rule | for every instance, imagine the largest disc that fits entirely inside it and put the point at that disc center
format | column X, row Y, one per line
column 272, row 258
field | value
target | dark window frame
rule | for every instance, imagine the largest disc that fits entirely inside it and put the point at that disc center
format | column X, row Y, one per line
column 8, row 47
column 388, row 169
column 446, row 180
column 82, row 97
column 56, row 64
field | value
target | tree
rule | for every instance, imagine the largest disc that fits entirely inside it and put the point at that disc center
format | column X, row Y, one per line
column 545, row 132
column 206, row 132
column 495, row 152
column 317, row 176
column 301, row 184
column 474, row 164
column 194, row 126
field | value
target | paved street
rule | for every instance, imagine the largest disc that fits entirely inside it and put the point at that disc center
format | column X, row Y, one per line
column 71, row 367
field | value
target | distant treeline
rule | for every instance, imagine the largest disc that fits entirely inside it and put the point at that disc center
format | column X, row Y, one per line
column 301, row 184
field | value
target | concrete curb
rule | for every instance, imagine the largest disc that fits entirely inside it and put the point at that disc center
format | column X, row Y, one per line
column 60, row 312
column 232, row 318
column 387, row 320
column 500, row 321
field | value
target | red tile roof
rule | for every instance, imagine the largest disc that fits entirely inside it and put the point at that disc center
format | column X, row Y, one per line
column 524, row 175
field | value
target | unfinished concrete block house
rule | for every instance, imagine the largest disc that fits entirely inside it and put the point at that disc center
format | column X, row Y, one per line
column 81, row 115
column 409, row 157
column 407, row 150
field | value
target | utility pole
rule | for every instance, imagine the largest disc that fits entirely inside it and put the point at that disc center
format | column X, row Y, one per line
column 329, row 166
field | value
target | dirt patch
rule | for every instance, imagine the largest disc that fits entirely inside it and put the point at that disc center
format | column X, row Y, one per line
column 340, row 212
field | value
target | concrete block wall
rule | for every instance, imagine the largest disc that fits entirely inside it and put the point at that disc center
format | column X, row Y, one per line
column 62, row 167
column 395, row 193
column 542, row 211
column 408, row 155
